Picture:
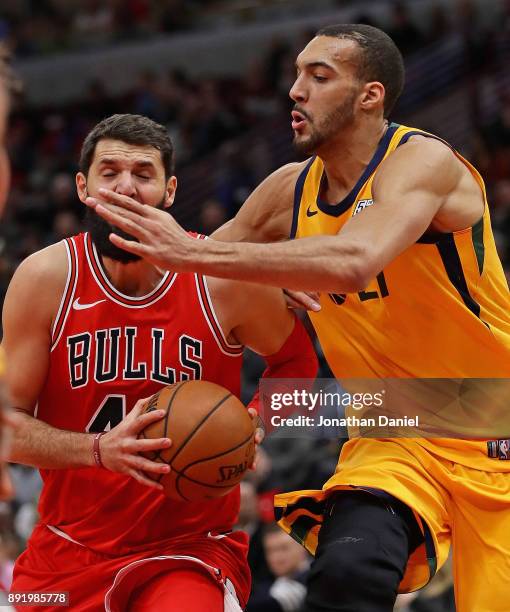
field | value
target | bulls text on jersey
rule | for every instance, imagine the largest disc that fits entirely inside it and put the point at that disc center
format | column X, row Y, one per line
column 107, row 367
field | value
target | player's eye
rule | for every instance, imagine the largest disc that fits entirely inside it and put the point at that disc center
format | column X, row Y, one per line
column 143, row 176
column 319, row 78
column 108, row 174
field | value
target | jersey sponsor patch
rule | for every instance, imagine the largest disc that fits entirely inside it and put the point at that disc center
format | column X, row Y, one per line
column 361, row 205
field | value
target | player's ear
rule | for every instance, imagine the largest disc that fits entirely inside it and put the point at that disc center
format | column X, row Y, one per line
column 372, row 95
column 171, row 187
column 81, row 186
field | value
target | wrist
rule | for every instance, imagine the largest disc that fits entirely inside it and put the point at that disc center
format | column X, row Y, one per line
column 96, row 449
column 192, row 252
column 211, row 256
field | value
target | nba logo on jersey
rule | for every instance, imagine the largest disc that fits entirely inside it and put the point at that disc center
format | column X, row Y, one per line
column 361, row 205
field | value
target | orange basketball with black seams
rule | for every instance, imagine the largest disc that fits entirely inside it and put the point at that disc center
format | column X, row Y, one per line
column 212, row 434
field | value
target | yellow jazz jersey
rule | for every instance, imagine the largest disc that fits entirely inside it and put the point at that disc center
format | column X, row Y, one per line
column 440, row 309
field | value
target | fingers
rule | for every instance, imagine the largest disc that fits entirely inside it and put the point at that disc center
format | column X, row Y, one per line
column 128, row 245
column 259, row 435
column 140, row 406
column 141, row 421
column 258, row 424
column 143, row 464
column 143, row 445
column 105, row 208
column 124, row 201
column 292, row 303
column 253, row 466
column 253, row 413
column 117, row 217
column 138, row 476
column 300, row 299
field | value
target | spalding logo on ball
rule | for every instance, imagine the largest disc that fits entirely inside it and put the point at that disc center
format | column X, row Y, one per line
column 212, row 435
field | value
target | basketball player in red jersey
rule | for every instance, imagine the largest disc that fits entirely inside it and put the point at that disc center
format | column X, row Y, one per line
column 88, row 330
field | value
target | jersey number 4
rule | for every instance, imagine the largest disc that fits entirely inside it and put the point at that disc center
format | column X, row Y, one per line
column 109, row 414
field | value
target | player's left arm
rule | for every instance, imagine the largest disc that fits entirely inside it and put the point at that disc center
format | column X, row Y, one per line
column 273, row 331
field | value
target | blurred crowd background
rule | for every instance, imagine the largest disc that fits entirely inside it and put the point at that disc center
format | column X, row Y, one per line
column 229, row 119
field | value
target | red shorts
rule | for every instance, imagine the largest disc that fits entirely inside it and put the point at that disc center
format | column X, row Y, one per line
column 202, row 568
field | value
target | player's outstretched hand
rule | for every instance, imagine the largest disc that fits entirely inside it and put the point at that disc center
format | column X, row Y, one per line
column 309, row 300
column 157, row 237
column 120, row 447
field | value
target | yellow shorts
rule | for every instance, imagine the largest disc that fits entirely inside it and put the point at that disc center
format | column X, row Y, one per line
column 457, row 505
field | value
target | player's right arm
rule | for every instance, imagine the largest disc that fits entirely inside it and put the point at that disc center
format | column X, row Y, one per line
column 266, row 216
column 29, row 309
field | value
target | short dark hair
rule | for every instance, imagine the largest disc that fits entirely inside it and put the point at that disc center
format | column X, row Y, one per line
column 131, row 129
column 7, row 75
column 379, row 60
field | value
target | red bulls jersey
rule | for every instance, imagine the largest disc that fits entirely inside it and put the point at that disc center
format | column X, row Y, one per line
column 108, row 350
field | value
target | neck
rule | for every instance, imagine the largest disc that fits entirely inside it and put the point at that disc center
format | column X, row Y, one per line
column 134, row 279
column 347, row 156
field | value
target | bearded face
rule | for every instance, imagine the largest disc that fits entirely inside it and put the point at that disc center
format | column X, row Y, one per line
column 322, row 130
column 100, row 231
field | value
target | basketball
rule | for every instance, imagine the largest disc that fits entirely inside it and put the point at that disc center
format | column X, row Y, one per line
column 212, row 439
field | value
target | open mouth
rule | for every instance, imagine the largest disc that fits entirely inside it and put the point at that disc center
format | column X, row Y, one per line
column 298, row 120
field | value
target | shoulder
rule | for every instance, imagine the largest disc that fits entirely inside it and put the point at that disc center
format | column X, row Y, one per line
column 418, row 161
column 278, row 187
column 433, row 147
column 49, row 265
column 40, row 280
column 266, row 216
column 429, row 150
column 284, row 179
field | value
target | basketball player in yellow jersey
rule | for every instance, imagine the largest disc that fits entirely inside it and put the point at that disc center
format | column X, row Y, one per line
column 8, row 85
column 393, row 229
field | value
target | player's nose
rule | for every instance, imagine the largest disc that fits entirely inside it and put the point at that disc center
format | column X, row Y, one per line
column 126, row 184
column 297, row 91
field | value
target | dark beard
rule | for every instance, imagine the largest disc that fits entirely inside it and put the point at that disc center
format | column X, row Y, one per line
column 100, row 231
column 339, row 119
